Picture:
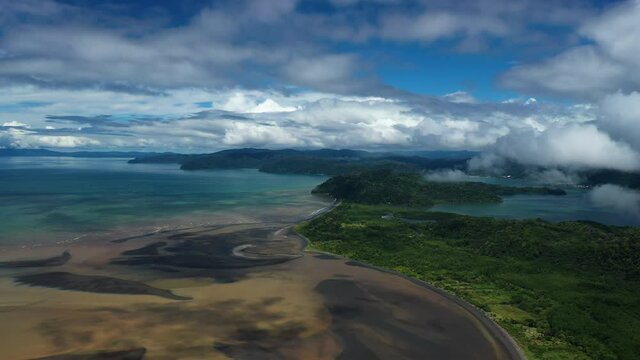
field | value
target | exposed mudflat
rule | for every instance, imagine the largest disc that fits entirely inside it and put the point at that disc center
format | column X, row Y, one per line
column 238, row 291
column 45, row 262
column 94, row 283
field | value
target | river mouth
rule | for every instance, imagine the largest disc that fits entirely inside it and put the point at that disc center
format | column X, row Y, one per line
column 241, row 291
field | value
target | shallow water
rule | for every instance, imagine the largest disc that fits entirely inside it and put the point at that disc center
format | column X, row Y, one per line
column 574, row 206
column 275, row 304
column 45, row 200
column 199, row 265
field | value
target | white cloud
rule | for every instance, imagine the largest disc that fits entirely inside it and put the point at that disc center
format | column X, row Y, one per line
column 220, row 46
column 620, row 199
column 608, row 65
column 434, row 25
column 471, row 25
column 554, row 177
column 242, row 102
column 251, row 42
column 606, row 72
column 616, row 32
column 20, row 138
column 620, row 117
column 175, row 121
column 447, row 176
column 243, row 134
column 580, row 72
column 269, row 105
column 460, row 97
column 325, row 72
column 14, row 124
column 571, row 146
column 141, row 84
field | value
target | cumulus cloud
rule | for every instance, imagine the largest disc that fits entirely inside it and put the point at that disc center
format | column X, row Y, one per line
column 471, row 24
column 250, row 103
column 620, row 117
column 605, row 72
column 580, row 72
column 241, row 117
column 620, row 199
column 575, row 146
column 21, row 138
column 211, row 49
column 609, row 64
column 243, row 134
column 284, row 73
column 14, row 123
column 249, row 42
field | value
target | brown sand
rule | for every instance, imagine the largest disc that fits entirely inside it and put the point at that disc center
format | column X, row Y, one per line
column 267, row 305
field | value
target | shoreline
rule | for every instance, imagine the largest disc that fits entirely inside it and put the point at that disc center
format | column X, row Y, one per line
column 495, row 330
column 276, row 235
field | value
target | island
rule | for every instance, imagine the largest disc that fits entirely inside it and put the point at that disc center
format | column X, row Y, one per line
column 388, row 186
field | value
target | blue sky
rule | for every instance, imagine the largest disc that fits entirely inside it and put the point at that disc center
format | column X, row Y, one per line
column 507, row 77
column 428, row 71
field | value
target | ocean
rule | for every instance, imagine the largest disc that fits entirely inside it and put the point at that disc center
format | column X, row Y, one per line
column 50, row 199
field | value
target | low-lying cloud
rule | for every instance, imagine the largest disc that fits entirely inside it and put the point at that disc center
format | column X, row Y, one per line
column 555, row 177
column 573, row 146
column 604, row 70
column 240, row 117
column 447, row 176
column 620, row 199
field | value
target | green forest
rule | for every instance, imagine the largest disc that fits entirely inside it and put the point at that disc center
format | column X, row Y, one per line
column 568, row 290
column 391, row 187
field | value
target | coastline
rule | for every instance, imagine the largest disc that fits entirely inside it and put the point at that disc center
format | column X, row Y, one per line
column 314, row 299
column 496, row 332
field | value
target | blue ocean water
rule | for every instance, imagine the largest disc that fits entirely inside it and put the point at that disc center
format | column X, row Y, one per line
column 53, row 199
column 576, row 205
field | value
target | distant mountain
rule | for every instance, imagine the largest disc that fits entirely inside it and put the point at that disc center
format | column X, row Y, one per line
column 77, row 154
column 439, row 154
column 323, row 161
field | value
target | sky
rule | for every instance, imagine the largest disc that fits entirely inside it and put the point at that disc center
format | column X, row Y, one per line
column 546, row 83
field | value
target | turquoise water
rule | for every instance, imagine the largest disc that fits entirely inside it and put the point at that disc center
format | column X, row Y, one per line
column 58, row 199
column 574, row 206
column 53, row 199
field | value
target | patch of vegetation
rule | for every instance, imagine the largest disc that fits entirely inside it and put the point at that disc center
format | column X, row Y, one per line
column 410, row 188
column 566, row 290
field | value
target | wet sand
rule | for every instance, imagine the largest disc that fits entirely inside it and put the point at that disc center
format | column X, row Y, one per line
column 239, row 291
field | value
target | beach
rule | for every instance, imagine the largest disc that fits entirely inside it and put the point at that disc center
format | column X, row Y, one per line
column 244, row 290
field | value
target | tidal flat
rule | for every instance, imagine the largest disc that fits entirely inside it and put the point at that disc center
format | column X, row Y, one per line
column 242, row 290
column 100, row 259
